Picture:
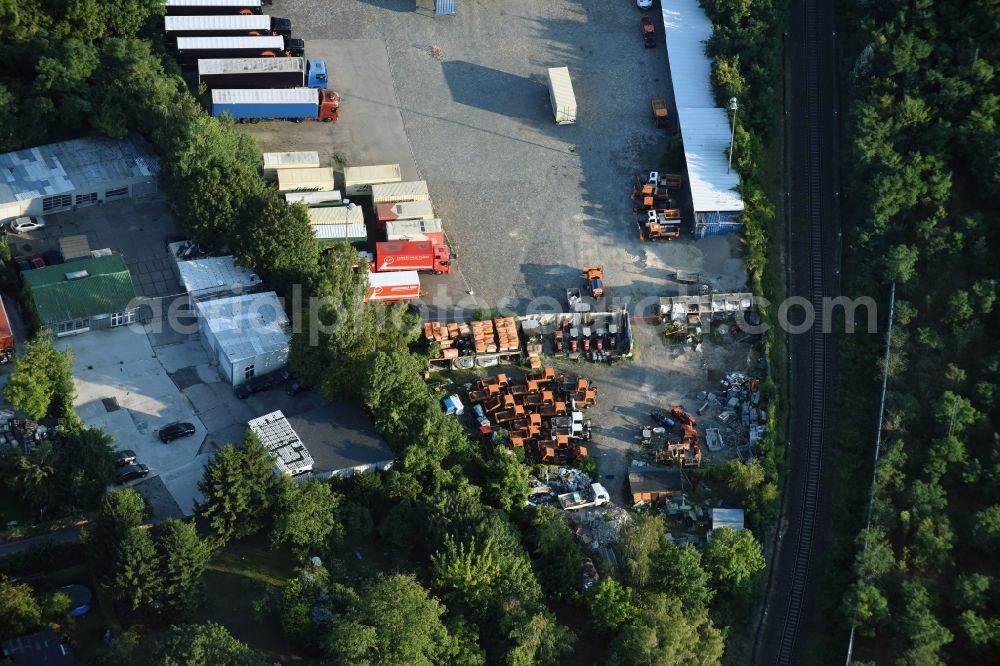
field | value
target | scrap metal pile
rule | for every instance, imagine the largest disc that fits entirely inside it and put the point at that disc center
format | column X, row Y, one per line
column 742, row 413
column 674, row 440
column 541, row 413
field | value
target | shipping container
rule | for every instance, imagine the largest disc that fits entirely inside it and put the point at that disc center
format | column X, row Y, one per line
column 6, row 335
column 306, row 180
column 190, row 49
column 315, row 199
column 191, row 7
column 226, row 24
column 423, row 256
column 358, row 180
column 328, row 234
column 393, row 287
column 561, row 95
column 308, row 159
column 262, row 73
column 337, row 215
column 407, row 210
column 267, row 103
column 411, row 190
column 416, row 230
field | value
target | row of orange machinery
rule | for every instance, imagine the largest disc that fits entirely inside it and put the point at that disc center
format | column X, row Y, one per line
column 541, row 412
column 653, row 201
column 486, row 336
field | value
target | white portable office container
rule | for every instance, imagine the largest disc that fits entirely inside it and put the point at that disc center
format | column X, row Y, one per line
column 407, row 210
column 314, row 198
column 417, row 230
column 337, row 215
column 301, row 160
column 561, row 95
column 305, row 180
column 410, row 190
column 358, row 180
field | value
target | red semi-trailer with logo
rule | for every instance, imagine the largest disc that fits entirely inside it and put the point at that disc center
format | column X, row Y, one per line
column 6, row 336
column 393, row 287
column 423, row 256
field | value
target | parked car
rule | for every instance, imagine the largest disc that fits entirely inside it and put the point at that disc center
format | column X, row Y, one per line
column 176, row 431
column 131, row 472
column 124, row 457
column 644, row 4
column 253, row 385
column 36, row 261
column 23, row 225
column 52, row 257
column 22, row 264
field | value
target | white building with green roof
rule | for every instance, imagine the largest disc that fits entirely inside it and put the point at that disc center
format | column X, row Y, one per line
column 83, row 295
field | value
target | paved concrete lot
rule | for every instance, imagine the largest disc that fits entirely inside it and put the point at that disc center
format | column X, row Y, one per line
column 138, row 228
column 525, row 201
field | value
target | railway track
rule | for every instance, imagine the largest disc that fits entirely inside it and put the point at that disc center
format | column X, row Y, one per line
column 813, row 210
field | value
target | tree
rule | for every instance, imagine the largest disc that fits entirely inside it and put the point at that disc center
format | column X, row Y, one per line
column 921, row 631
column 19, row 609
column 137, row 581
column 392, row 621
column 238, row 484
column 557, row 553
column 507, row 480
column 746, row 485
column 307, row 515
column 610, row 605
column 121, row 510
column 733, row 559
column 42, row 380
column 638, row 543
column 86, row 462
column 125, row 18
column 33, row 477
column 183, row 557
column 986, row 528
column 538, row 640
column 206, row 644
column 662, row 634
column 867, row 606
column 678, row 572
column 901, row 263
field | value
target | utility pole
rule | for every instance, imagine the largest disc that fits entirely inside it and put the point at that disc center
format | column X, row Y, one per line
column 732, row 139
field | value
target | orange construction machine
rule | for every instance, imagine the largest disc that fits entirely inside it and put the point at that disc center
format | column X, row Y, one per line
column 658, row 112
column 595, row 280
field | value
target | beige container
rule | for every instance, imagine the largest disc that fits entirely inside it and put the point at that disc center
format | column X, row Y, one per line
column 359, row 180
column 336, row 215
column 411, row 190
column 305, row 180
column 561, row 95
column 274, row 162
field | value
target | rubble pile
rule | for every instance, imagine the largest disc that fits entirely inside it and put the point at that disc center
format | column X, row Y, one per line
column 742, row 414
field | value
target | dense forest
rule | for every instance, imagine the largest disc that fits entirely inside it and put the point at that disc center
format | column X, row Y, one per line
column 921, row 186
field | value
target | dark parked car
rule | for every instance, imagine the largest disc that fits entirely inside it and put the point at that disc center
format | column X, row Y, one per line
column 176, row 431
column 36, row 261
column 253, row 385
column 124, row 457
column 130, row 472
column 52, row 257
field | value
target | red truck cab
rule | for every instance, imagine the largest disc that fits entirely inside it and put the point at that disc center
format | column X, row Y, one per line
column 423, row 256
column 329, row 105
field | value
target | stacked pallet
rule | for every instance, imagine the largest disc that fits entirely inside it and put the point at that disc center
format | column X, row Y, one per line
column 483, row 337
column 446, row 335
column 507, row 339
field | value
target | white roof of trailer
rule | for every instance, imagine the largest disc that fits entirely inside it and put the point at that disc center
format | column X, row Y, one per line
column 209, row 66
column 213, row 3
column 705, row 128
column 334, row 231
column 393, row 279
column 265, row 96
column 337, row 215
column 225, row 22
column 307, row 158
column 196, row 43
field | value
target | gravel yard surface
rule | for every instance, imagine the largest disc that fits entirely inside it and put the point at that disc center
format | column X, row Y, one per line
column 526, row 203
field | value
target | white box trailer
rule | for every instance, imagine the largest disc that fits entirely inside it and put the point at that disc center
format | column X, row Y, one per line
column 308, row 159
column 561, row 95
column 315, row 199
column 358, row 180
column 337, row 215
column 306, row 180
column 406, row 210
column 410, row 190
column 415, row 230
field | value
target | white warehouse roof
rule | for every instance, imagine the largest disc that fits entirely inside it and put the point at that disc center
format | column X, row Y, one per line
column 246, row 326
column 286, row 448
column 706, row 134
column 215, row 273
column 69, row 166
column 705, row 127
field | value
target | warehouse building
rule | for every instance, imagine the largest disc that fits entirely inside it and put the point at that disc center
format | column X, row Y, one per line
column 83, row 295
column 342, row 440
column 653, row 485
column 214, row 277
column 705, row 127
column 64, row 176
column 247, row 335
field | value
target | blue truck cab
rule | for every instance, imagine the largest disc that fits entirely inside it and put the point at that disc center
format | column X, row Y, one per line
column 316, row 74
